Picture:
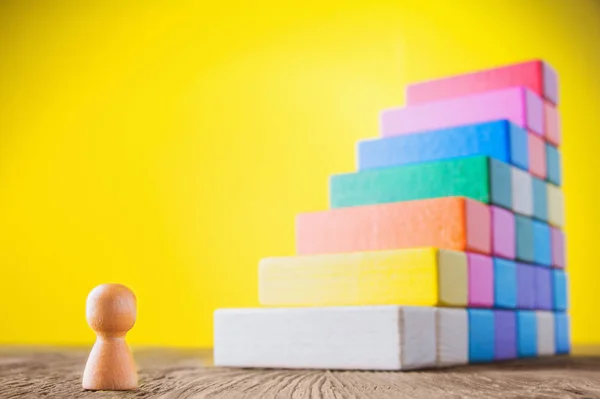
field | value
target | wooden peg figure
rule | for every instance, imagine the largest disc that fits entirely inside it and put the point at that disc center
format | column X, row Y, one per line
column 111, row 313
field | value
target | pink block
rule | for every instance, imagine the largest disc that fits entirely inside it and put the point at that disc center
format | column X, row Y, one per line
column 558, row 248
column 503, row 233
column 479, row 231
column 552, row 124
column 537, row 156
column 516, row 104
column 536, row 75
column 481, row 280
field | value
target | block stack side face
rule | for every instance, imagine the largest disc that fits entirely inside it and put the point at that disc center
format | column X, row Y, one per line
column 456, row 209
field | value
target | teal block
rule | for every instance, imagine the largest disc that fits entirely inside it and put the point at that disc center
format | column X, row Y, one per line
column 525, row 239
column 500, row 184
column 540, row 199
column 479, row 178
column 553, row 165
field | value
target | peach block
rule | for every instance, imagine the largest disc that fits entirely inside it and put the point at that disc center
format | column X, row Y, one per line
column 537, row 156
column 453, row 223
column 552, row 122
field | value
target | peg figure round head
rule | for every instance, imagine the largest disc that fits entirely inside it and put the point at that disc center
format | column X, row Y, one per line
column 111, row 309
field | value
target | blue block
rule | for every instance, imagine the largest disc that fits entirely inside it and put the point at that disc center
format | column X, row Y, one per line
column 542, row 247
column 482, row 339
column 500, row 140
column 553, row 165
column 501, row 184
column 562, row 333
column 526, row 333
column 524, row 236
column 505, row 283
column 540, row 199
column 559, row 290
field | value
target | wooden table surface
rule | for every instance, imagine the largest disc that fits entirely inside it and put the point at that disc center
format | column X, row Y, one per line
column 56, row 373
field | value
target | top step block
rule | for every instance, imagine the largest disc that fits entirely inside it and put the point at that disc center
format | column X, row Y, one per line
column 499, row 140
column 536, row 75
column 517, row 105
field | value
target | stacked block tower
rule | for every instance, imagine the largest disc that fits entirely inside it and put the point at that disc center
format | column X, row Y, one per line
column 445, row 247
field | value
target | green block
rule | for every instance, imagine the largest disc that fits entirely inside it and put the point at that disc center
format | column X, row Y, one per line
column 480, row 178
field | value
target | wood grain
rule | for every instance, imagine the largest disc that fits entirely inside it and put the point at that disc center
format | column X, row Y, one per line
column 42, row 372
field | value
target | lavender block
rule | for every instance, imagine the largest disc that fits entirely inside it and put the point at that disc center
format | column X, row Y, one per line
column 505, row 324
column 526, row 296
column 543, row 288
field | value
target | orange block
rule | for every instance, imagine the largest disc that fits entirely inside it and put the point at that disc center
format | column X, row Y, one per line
column 453, row 223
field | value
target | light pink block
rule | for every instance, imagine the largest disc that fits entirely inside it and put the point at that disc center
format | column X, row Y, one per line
column 537, row 156
column 503, row 233
column 518, row 105
column 550, row 80
column 552, row 124
column 558, row 248
column 481, row 280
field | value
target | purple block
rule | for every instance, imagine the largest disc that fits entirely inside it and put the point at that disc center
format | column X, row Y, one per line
column 505, row 322
column 543, row 288
column 515, row 104
column 481, row 280
column 558, row 247
column 526, row 297
column 503, row 233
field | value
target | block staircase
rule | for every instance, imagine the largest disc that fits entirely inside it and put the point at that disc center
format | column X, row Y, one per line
column 445, row 247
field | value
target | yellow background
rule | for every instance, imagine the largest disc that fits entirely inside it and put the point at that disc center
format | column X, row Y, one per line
column 169, row 145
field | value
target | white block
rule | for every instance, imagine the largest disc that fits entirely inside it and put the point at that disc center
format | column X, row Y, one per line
column 351, row 338
column 545, row 333
column 452, row 336
column 522, row 192
column 556, row 206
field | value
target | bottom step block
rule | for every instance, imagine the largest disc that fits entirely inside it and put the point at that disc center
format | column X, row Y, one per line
column 369, row 338
column 383, row 337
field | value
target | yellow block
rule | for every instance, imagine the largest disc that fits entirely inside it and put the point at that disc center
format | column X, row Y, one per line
column 556, row 206
column 418, row 277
